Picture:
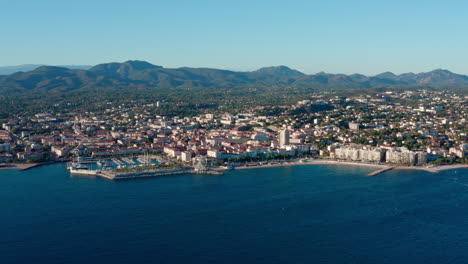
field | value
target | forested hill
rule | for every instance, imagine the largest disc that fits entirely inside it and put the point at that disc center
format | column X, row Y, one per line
column 142, row 74
column 191, row 90
column 5, row 70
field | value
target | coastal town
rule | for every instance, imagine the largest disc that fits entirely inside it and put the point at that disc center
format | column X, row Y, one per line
column 405, row 128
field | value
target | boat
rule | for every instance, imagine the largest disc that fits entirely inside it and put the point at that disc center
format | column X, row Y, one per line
column 86, row 160
column 77, row 166
column 104, row 163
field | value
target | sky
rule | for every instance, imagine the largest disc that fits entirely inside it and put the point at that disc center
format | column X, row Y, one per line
column 367, row 37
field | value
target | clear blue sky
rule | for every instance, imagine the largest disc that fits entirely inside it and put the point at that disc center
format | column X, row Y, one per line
column 366, row 36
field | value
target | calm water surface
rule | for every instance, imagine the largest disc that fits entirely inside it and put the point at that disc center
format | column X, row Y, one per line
column 302, row 214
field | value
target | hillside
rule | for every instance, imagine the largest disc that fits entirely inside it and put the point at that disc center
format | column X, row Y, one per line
column 5, row 70
column 144, row 74
column 47, row 87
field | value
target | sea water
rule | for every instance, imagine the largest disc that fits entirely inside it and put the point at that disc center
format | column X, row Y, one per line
column 297, row 214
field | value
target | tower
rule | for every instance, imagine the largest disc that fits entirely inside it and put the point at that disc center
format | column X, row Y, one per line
column 284, row 137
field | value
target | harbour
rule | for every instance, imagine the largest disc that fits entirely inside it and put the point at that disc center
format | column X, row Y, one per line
column 125, row 168
column 147, row 174
column 147, row 167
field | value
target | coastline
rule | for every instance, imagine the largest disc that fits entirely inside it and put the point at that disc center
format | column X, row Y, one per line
column 435, row 169
column 312, row 162
column 380, row 168
column 349, row 163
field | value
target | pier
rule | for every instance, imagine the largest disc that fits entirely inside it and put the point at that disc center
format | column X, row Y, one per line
column 85, row 172
column 377, row 172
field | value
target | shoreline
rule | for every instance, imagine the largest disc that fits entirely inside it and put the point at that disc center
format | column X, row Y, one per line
column 379, row 167
column 313, row 162
column 436, row 169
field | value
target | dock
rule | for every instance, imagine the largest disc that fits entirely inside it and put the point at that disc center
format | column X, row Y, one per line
column 377, row 172
column 85, row 172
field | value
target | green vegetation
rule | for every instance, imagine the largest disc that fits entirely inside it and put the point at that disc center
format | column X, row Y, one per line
column 190, row 91
column 449, row 161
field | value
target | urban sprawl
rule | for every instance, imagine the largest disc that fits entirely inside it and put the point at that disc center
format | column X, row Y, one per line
column 379, row 128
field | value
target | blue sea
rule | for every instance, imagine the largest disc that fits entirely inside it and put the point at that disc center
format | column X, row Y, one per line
column 298, row 214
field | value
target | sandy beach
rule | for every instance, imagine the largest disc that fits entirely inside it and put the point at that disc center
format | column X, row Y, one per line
column 310, row 162
column 348, row 163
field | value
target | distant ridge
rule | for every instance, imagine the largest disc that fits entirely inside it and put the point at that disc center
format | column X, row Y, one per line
column 279, row 71
column 5, row 70
column 142, row 74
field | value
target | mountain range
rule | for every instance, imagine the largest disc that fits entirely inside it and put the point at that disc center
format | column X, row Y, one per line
column 141, row 74
column 4, row 70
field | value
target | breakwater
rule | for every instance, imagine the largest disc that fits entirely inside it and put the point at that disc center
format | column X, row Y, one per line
column 146, row 174
column 377, row 172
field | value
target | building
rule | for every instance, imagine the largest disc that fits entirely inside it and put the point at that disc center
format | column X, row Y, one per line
column 358, row 153
column 4, row 157
column 4, row 135
column 284, row 138
column 354, row 126
column 213, row 153
column 260, row 136
column 186, row 156
column 172, row 152
column 60, row 151
column 5, row 148
column 31, row 155
column 457, row 151
column 406, row 157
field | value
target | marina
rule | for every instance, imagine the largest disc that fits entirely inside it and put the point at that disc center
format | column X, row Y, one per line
column 146, row 174
column 145, row 167
column 133, row 167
